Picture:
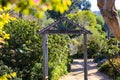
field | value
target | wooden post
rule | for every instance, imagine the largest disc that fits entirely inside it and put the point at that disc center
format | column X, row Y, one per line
column 85, row 56
column 45, row 56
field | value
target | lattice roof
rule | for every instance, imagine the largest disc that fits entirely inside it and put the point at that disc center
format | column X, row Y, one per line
column 64, row 25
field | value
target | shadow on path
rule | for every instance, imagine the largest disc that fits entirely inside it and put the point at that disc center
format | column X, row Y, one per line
column 77, row 71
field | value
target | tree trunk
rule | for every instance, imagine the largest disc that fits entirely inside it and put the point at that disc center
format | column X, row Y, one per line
column 110, row 15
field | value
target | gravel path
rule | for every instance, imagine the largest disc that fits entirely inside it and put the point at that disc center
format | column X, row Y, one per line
column 78, row 74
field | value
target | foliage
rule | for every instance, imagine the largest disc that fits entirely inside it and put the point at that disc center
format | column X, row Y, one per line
column 38, row 7
column 76, row 5
column 53, row 14
column 93, row 48
column 111, row 52
column 108, row 69
column 99, row 57
column 8, row 76
column 110, row 47
column 4, row 18
column 58, row 71
column 36, row 71
column 100, row 24
column 99, row 20
column 58, row 55
column 84, row 18
column 89, row 21
column 24, row 51
column 6, row 72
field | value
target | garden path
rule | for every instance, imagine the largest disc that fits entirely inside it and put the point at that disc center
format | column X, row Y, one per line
column 77, row 71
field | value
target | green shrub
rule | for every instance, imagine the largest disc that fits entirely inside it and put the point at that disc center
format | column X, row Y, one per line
column 94, row 24
column 58, row 71
column 36, row 71
column 108, row 69
column 23, row 53
column 98, row 57
column 24, row 47
column 93, row 48
column 7, row 73
column 58, row 55
column 4, row 69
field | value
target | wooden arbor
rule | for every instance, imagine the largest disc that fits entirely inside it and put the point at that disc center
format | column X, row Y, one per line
column 63, row 26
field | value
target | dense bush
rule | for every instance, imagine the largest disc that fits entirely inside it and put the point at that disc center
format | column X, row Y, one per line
column 6, row 72
column 98, row 57
column 23, row 53
column 111, row 52
column 58, row 55
column 23, row 50
column 94, row 24
column 108, row 69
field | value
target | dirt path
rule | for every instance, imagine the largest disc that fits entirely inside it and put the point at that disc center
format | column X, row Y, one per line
column 78, row 74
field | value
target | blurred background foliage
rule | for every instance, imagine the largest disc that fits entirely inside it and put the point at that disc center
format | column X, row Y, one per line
column 37, row 7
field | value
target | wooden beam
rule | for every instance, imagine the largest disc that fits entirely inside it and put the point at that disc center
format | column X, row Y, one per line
column 85, row 57
column 64, row 32
column 45, row 56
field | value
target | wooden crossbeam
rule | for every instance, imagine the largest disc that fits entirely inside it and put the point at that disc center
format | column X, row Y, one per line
column 65, row 32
